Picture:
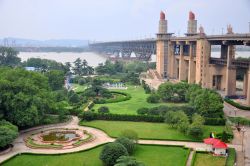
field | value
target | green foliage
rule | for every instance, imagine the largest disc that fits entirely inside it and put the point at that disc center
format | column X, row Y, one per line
column 231, row 159
column 225, row 136
column 87, row 115
column 8, row 132
column 177, row 120
column 146, row 87
column 103, row 110
column 121, row 117
column 196, row 128
column 8, row 57
column 132, row 78
column 81, row 67
column 81, row 81
column 111, row 152
column 153, row 98
column 240, row 120
column 130, row 134
column 128, row 161
column 74, row 98
column 209, row 104
column 56, row 79
column 170, row 92
column 45, row 65
column 142, row 111
column 129, row 144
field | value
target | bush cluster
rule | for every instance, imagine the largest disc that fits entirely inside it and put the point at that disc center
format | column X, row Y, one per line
column 103, row 110
column 146, row 87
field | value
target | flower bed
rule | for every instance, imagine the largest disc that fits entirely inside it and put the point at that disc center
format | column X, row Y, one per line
column 37, row 141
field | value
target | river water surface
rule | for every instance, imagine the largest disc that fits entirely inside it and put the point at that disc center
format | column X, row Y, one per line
column 93, row 59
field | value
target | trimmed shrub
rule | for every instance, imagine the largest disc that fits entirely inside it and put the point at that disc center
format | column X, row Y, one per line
column 154, row 98
column 215, row 121
column 81, row 81
column 127, row 143
column 240, row 120
column 103, row 110
column 125, row 97
column 88, row 115
column 142, row 111
column 111, row 152
column 120, row 117
column 231, row 159
column 237, row 105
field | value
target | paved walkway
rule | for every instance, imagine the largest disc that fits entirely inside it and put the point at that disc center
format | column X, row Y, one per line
column 190, row 157
column 243, row 154
column 101, row 138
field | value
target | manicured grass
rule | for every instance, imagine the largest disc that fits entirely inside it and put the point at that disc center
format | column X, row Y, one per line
column 203, row 159
column 149, row 154
column 138, row 100
column 147, row 130
column 79, row 88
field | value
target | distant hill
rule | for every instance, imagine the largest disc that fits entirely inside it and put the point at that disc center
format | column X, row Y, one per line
column 19, row 42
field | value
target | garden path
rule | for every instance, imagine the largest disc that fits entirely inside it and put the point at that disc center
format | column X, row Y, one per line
column 101, row 138
column 243, row 154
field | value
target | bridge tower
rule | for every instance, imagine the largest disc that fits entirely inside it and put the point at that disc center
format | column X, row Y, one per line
column 192, row 25
column 162, row 47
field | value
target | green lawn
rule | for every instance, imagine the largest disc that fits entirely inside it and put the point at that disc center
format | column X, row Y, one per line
column 79, row 88
column 138, row 100
column 147, row 130
column 203, row 159
column 148, row 154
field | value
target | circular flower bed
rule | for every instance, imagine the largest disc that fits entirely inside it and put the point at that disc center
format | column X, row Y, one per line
column 62, row 138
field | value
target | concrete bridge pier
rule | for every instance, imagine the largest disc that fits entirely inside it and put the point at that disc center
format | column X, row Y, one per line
column 245, row 83
column 230, row 74
column 182, row 65
column 191, row 68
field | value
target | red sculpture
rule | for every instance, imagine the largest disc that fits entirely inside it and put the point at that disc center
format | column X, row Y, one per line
column 191, row 16
column 162, row 15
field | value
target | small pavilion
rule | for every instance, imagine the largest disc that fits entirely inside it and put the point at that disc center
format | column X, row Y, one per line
column 216, row 146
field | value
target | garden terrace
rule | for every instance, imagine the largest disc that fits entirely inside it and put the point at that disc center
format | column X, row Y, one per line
column 138, row 100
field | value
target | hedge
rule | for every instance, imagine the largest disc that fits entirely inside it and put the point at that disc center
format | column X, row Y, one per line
column 240, row 120
column 231, row 159
column 119, row 117
column 125, row 97
column 237, row 105
column 139, row 118
column 215, row 121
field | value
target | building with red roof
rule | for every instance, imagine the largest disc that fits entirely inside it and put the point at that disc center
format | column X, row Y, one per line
column 216, row 146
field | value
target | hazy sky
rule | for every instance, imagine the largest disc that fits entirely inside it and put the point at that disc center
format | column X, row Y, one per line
column 116, row 19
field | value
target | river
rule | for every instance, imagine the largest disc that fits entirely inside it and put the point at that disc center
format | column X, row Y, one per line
column 93, row 59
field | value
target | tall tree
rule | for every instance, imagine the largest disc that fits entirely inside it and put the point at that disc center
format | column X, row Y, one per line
column 77, row 66
column 8, row 57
